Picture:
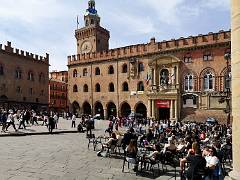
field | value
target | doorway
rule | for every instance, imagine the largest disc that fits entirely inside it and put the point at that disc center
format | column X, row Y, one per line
column 164, row 113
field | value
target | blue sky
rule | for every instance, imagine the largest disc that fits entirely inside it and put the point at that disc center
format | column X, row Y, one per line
column 48, row 26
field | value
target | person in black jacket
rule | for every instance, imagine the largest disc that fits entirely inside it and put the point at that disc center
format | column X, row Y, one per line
column 51, row 124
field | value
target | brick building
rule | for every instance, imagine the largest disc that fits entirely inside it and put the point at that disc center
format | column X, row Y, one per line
column 177, row 79
column 21, row 84
column 58, row 91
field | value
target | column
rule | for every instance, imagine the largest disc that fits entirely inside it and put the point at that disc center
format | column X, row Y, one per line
column 235, row 65
column 105, row 113
column 171, row 110
column 176, row 109
column 153, row 109
column 149, row 108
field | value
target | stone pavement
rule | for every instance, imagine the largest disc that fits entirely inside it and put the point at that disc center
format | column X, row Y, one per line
column 60, row 157
column 64, row 126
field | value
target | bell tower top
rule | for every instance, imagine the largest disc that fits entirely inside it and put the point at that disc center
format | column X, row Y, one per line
column 92, row 37
column 91, row 17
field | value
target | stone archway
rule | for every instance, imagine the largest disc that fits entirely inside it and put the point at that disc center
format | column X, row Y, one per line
column 75, row 107
column 86, row 107
column 98, row 109
column 125, row 109
column 141, row 109
column 111, row 110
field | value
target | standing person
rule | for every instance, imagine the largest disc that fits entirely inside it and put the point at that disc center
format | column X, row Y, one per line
column 4, row 120
column 73, row 121
column 55, row 117
column 45, row 119
column 21, row 121
column 34, row 117
column 51, row 124
column 10, row 121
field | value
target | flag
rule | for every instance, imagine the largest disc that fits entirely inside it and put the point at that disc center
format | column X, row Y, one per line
column 77, row 22
column 148, row 78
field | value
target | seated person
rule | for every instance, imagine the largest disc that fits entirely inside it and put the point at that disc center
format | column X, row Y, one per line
column 150, row 135
column 181, row 146
column 169, row 147
column 131, row 153
column 155, row 153
column 110, row 141
column 128, row 136
column 213, row 163
column 192, row 151
column 197, row 165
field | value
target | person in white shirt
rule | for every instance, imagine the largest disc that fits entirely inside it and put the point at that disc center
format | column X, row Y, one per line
column 10, row 120
column 73, row 121
column 55, row 117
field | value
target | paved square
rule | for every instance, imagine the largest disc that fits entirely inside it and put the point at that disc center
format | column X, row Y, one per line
column 58, row 157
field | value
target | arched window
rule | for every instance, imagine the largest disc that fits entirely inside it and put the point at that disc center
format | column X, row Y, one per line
column 111, row 87
column 85, row 88
column 188, row 82
column 164, row 77
column 140, row 86
column 85, row 72
column 125, row 86
column 140, row 67
column 75, row 88
column 75, row 73
column 110, row 70
column 30, row 76
column 41, row 77
column 97, row 88
column 18, row 89
column 97, row 71
column 124, row 68
column 208, row 81
column 1, row 70
column 18, row 73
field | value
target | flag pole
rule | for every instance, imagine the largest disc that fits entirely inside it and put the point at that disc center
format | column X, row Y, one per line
column 77, row 22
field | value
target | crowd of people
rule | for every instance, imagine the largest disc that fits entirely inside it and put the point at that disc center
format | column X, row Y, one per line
column 202, row 148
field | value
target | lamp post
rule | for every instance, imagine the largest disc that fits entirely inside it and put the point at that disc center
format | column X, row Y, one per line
column 227, row 57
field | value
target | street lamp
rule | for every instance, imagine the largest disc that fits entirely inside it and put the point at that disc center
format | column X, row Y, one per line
column 227, row 57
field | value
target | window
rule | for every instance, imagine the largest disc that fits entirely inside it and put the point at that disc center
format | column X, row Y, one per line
column 97, row 88
column 110, row 70
column 31, row 91
column 18, row 90
column 187, row 58
column 125, row 86
column 18, row 73
column 190, row 100
column 41, row 77
column 124, row 68
column 188, row 82
column 75, row 73
column 1, row 70
column 208, row 81
column 207, row 56
column 85, row 88
column 75, row 88
column 97, row 71
column 227, row 81
column 92, row 21
column 140, row 86
column 30, row 76
column 140, row 67
column 42, row 93
column 85, row 72
column 111, row 87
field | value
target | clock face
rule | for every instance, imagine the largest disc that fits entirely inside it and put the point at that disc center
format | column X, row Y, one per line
column 86, row 47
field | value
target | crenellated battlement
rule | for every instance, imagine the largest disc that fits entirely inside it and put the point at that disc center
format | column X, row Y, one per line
column 20, row 53
column 152, row 47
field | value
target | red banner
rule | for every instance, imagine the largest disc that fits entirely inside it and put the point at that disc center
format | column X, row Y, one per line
column 163, row 103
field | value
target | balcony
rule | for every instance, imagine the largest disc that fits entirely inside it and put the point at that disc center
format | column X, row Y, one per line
column 162, row 89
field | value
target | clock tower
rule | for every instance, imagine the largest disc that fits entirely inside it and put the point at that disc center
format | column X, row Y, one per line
column 92, row 37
